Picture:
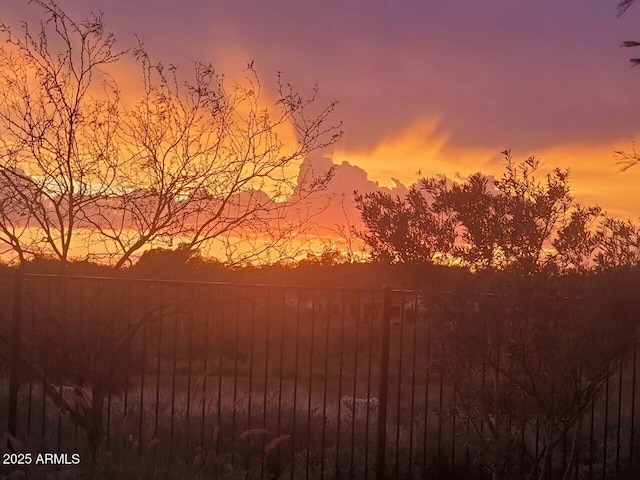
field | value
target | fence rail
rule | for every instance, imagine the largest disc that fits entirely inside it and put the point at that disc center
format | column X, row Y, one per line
column 270, row 381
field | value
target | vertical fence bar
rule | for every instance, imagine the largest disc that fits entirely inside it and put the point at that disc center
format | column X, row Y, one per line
column 127, row 353
column 159, row 355
column 313, row 319
column 369, row 367
column 145, row 304
column 413, row 380
column 96, row 330
column 633, row 411
column 221, row 340
column 354, row 391
column 266, row 379
column 47, row 330
column 190, row 322
column 564, row 437
column 112, row 316
column 31, row 359
column 453, row 433
column 440, row 460
column 16, row 322
column 295, row 387
column 426, row 393
column 64, row 324
column 324, row 395
column 398, row 419
column 384, row 386
column 79, row 342
column 236, row 343
column 174, row 374
column 576, row 455
column 340, row 366
column 281, row 373
column 205, row 366
column 60, row 334
column 252, row 322
column 606, row 424
column 483, row 383
column 591, row 433
column 619, row 424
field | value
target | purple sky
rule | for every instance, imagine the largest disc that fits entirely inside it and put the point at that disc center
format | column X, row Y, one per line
column 540, row 77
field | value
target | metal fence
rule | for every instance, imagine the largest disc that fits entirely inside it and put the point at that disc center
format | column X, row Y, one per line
column 260, row 381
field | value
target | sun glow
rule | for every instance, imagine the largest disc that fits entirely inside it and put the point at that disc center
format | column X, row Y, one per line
column 427, row 147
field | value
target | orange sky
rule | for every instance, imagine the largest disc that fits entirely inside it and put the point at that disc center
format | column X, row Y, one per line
column 441, row 87
column 427, row 147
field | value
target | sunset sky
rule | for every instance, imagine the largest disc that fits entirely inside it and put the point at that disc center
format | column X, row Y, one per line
column 436, row 86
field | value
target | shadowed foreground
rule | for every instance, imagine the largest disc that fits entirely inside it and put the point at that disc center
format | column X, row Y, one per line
column 161, row 379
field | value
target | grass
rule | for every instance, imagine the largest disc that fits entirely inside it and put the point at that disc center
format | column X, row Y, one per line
column 269, row 434
column 257, row 436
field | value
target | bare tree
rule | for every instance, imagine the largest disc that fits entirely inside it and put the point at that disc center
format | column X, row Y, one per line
column 197, row 161
column 205, row 163
column 627, row 158
column 58, row 118
column 191, row 163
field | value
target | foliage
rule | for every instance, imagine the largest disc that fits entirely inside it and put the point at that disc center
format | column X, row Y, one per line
column 508, row 226
column 329, row 257
column 515, row 223
column 623, row 6
column 578, row 239
column 591, row 240
column 619, row 244
column 405, row 230
column 628, row 159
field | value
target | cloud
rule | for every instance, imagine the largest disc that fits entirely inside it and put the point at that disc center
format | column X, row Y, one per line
column 425, row 147
column 440, row 87
column 428, row 146
column 334, row 214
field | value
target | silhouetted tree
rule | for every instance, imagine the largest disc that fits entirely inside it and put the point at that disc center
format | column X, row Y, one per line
column 623, row 6
column 578, row 239
column 195, row 161
column 58, row 118
column 404, row 230
column 510, row 225
column 206, row 164
column 628, row 158
column 192, row 162
column 619, row 244
column 507, row 224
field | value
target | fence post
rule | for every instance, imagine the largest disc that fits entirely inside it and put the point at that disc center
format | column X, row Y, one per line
column 16, row 322
column 383, row 390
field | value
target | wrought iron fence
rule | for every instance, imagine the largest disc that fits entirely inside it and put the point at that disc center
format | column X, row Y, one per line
column 266, row 381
